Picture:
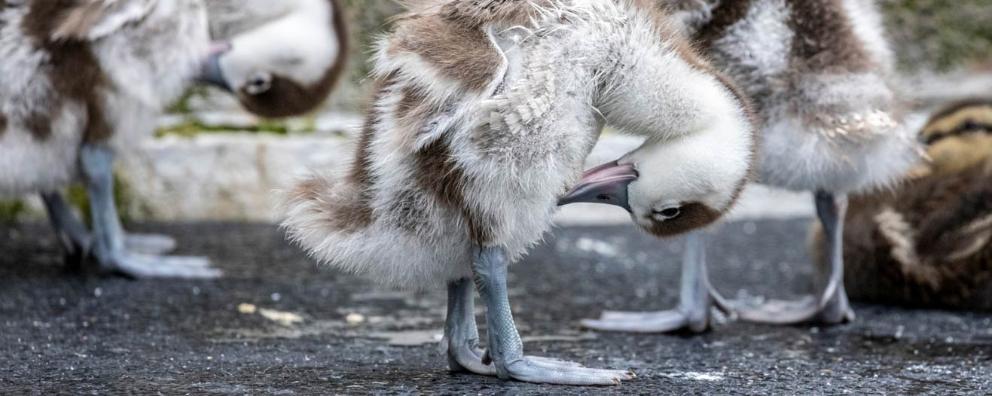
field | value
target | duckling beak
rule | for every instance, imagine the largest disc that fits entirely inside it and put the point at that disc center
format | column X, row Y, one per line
column 210, row 71
column 605, row 184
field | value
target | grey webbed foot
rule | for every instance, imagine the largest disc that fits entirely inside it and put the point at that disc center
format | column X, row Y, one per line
column 505, row 357
column 697, row 299
column 808, row 309
column 109, row 246
column 464, row 354
column 543, row 371
column 830, row 307
column 149, row 243
column 643, row 322
column 143, row 266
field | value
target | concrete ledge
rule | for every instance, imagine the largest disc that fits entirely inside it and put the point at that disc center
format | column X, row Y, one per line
column 232, row 176
column 223, row 176
column 235, row 176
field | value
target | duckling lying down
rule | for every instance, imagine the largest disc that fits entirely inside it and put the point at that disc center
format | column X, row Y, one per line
column 482, row 118
column 928, row 241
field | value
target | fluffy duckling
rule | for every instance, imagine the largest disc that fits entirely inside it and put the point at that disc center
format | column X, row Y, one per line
column 926, row 243
column 817, row 72
column 86, row 80
column 484, row 113
column 82, row 81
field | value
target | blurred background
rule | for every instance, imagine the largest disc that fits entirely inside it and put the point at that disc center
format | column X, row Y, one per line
column 211, row 160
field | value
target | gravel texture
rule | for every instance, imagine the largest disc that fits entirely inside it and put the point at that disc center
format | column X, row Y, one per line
column 276, row 324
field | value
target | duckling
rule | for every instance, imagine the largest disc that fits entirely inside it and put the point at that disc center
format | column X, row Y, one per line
column 925, row 243
column 817, row 73
column 483, row 115
column 83, row 80
column 280, row 58
column 87, row 81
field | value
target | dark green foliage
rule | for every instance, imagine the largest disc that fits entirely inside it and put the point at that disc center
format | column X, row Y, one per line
column 940, row 34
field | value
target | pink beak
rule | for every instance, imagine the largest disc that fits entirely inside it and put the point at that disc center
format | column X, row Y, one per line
column 606, row 184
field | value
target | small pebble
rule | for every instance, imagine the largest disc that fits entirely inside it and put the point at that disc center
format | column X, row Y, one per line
column 354, row 319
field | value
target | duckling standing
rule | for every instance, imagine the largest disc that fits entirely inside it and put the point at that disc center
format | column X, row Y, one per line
column 484, row 113
column 926, row 243
column 84, row 81
column 817, row 72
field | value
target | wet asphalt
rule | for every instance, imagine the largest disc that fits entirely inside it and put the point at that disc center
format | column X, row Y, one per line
column 277, row 324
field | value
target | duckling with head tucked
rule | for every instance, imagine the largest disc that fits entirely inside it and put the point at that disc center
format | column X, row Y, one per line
column 928, row 242
column 484, row 113
column 817, row 73
column 84, row 80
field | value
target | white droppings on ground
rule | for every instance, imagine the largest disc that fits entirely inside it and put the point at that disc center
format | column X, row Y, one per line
column 601, row 248
column 247, row 309
column 281, row 317
column 284, row 318
column 354, row 319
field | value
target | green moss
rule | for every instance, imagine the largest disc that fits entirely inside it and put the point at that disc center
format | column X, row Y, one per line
column 11, row 211
column 182, row 106
column 191, row 127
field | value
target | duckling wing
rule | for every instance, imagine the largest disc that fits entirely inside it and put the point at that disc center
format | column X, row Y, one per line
column 958, row 216
column 93, row 19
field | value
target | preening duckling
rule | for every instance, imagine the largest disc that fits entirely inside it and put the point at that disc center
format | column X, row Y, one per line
column 83, row 81
column 817, row 73
column 484, row 113
column 926, row 243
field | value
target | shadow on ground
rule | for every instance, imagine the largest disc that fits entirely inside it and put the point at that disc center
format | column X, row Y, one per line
column 72, row 333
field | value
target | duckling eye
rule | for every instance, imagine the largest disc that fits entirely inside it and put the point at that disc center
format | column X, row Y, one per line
column 259, row 83
column 667, row 213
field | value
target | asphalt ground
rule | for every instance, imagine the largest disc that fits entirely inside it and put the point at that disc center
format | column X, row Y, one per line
column 277, row 324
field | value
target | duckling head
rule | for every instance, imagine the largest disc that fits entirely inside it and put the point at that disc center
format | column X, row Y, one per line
column 677, row 185
column 958, row 136
column 283, row 68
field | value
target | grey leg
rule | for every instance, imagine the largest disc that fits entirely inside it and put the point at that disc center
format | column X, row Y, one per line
column 505, row 347
column 696, row 299
column 72, row 234
column 461, row 333
column 834, row 306
column 76, row 240
column 108, row 236
column 831, row 307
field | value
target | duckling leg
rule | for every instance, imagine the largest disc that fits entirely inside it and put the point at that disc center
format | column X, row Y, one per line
column 71, row 233
column 461, row 333
column 75, row 238
column 108, row 236
column 505, row 347
column 832, row 306
column 695, row 300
